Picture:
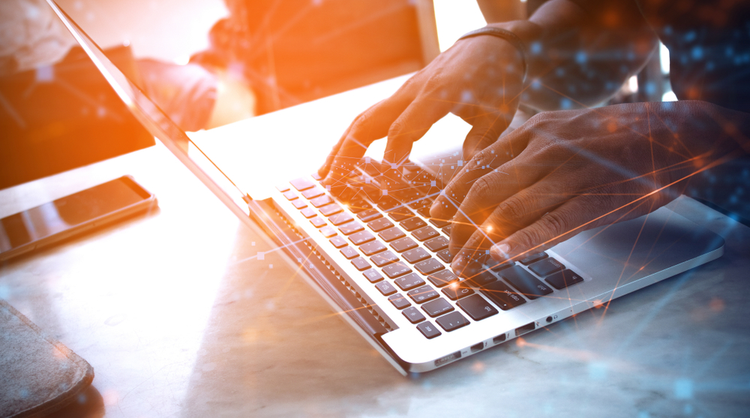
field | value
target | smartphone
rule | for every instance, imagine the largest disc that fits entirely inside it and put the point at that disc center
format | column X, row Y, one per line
column 72, row 215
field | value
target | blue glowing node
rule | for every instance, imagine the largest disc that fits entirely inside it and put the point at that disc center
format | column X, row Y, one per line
column 566, row 104
column 535, row 48
column 697, row 53
column 581, row 57
column 690, row 36
column 683, row 389
column 536, row 84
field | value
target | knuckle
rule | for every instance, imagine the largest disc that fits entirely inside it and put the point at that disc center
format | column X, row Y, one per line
column 481, row 188
column 396, row 129
column 556, row 222
column 515, row 208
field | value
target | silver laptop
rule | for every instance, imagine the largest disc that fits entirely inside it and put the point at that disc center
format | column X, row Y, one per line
column 380, row 261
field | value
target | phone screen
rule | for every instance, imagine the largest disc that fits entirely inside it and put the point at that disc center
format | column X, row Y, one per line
column 68, row 212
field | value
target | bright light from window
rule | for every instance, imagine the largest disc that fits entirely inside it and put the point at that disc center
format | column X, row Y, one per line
column 454, row 18
column 664, row 58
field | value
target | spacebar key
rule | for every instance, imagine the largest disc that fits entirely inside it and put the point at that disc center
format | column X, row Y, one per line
column 525, row 282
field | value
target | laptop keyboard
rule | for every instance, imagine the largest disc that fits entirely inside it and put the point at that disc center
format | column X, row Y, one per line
column 384, row 229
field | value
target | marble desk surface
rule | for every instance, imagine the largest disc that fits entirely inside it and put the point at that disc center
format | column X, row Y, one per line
column 180, row 317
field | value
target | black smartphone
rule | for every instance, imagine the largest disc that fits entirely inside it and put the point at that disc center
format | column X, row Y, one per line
column 72, row 215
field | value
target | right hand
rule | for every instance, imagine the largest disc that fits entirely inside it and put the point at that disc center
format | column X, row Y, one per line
column 480, row 79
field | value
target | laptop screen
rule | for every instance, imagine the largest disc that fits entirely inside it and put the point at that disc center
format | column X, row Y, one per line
column 57, row 112
column 156, row 121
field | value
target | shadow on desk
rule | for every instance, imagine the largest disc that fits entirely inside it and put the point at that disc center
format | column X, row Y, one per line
column 89, row 404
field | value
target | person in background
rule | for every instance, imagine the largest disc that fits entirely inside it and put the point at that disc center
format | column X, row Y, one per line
column 268, row 55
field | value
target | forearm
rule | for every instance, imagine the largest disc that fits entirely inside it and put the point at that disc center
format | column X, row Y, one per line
column 580, row 54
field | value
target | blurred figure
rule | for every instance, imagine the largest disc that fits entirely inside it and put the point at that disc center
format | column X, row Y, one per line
column 268, row 55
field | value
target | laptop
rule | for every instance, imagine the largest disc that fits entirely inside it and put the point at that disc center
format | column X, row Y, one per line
column 382, row 263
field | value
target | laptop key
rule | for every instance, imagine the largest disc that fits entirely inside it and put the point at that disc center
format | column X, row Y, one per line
column 338, row 242
column 358, row 206
column 452, row 321
column 385, row 288
column 399, row 301
column 341, row 218
column 400, row 213
column 282, row 188
column 437, row 244
column 408, row 282
column 546, row 267
column 369, row 215
column 502, row 296
column 445, row 255
column 361, row 264
column 413, row 315
column 350, row 228
column 403, row 244
column 302, row 183
column 476, row 307
column 391, row 234
column 299, row 204
column 313, row 193
column 563, row 279
column 361, row 237
column 330, row 209
column 373, row 276
column 527, row 284
column 387, row 203
column 440, row 223
column 457, row 291
column 318, row 222
column 328, row 231
column 412, row 223
column 380, row 224
column 416, row 254
column 447, row 229
column 290, row 195
column 429, row 266
column 428, row 330
column 425, row 233
column 423, row 294
column 373, row 247
column 442, row 278
column 383, row 259
column 437, row 307
column 396, row 270
column 530, row 258
column 308, row 213
column 349, row 252
column 321, row 201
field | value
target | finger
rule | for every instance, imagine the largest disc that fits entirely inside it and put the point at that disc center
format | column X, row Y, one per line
column 484, row 134
column 410, row 126
column 518, row 211
column 576, row 215
column 370, row 125
column 488, row 192
column 488, row 160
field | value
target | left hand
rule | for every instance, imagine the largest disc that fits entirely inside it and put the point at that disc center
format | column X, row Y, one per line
column 567, row 171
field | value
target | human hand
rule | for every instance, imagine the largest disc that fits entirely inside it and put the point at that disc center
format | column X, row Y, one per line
column 564, row 172
column 478, row 79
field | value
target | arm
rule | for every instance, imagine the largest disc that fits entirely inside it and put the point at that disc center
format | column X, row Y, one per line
column 565, row 172
column 481, row 79
column 582, row 50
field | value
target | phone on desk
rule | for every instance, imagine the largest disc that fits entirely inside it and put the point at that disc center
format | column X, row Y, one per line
column 72, row 215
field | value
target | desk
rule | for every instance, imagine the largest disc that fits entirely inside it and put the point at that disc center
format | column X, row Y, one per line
column 180, row 317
